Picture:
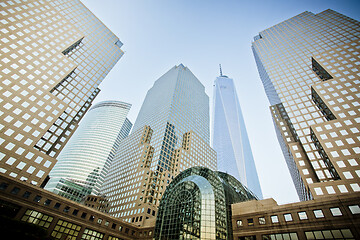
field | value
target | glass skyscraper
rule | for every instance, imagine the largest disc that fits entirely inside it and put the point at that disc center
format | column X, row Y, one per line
column 171, row 134
column 85, row 160
column 309, row 66
column 229, row 136
column 54, row 55
column 179, row 98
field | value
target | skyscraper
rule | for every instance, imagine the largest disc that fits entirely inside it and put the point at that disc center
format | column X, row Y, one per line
column 54, row 54
column 84, row 162
column 171, row 134
column 309, row 66
column 229, row 136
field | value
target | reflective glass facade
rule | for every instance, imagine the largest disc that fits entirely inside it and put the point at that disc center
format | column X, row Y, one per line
column 309, row 66
column 84, row 162
column 170, row 135
column 54, row 55
column 229, row 136
column 197, row 205
column 179, row 98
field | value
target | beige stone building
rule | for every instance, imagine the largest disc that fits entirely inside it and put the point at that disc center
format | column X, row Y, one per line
column 309, row 65
column 53, row 56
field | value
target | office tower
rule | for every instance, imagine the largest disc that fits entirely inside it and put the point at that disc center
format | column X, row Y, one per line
column 229, row 136
column 85, row 160
column 197, row 205
column 171, row 134
column 309, row 66
column 54, row 54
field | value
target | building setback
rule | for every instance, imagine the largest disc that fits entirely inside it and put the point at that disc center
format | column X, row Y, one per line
column 54, row 54
column 171, row 134
column 229, row 136
column 309, row 66
column 84, row 162
column 311, row 77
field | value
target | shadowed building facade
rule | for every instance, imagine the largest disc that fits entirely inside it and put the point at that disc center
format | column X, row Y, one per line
column 84, row 162
column 229, row 136
column 54, row 55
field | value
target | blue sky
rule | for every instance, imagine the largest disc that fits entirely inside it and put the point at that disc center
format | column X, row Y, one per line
column 158, row 34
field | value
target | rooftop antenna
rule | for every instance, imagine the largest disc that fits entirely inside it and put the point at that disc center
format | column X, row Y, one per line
column 220, row 70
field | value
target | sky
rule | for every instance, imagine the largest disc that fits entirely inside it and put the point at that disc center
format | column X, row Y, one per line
column 159, row 34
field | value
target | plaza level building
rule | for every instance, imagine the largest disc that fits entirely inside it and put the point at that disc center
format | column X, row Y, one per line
column 53, row 56
column 330, row 218
column 229, row 136
column 309, row 66
column 197, row 205
column 171, row 134
column 85, row 160
column 43, row 214
column 30, row 208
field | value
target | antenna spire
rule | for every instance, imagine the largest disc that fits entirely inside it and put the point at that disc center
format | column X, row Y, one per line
column 220, row 70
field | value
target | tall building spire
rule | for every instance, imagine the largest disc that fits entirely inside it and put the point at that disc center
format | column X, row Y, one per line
column 220, row 70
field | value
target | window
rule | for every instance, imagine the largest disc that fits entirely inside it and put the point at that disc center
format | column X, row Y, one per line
column 26, row 194
column 3, row 186
column 15, row 190
column 37, row 198
column 318, row 213
column 281, row 236
column 115, row 238
column 66, row 209
column 83, row 215
column 32, row 216
column 354, row 209
column 330, row 234
column 302, row 215
column 57, row 205
column 47, row 202
column 335, row 211
column 70, row 230
column 262, row 220
column 113, row 226
column 75, row 212
column 274, row 219
column 250, row 222
column 92, row 234
column 91, row 218
column 288, row 217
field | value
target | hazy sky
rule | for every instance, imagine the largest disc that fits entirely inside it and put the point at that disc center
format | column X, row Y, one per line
column 158, row 34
